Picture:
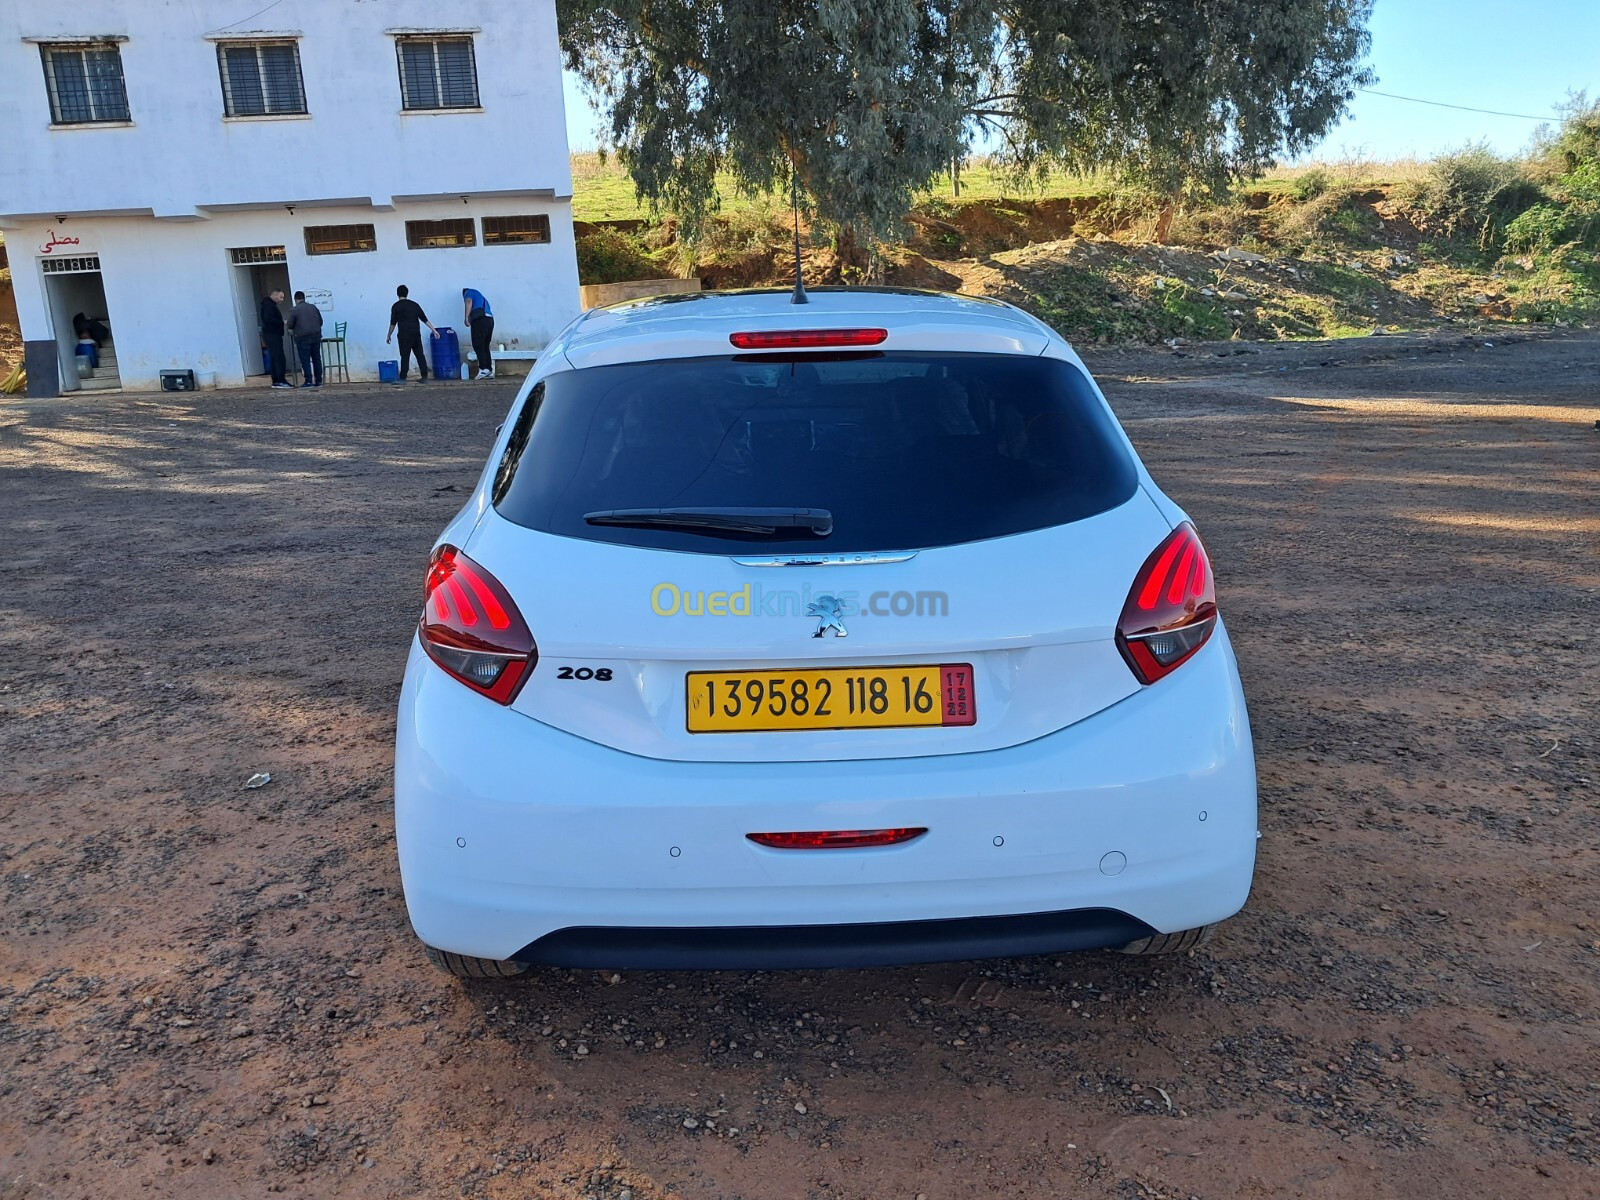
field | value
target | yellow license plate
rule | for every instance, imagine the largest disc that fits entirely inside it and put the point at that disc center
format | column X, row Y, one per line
column 831, row 698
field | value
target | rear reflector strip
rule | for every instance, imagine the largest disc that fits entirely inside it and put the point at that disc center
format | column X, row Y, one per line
column 804, row 339
column 836, row 839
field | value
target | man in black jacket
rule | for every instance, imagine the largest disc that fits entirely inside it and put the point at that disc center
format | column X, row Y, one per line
column 407, row 316
column 272, row 335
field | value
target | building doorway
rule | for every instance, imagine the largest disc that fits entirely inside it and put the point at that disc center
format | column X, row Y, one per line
column 76, row 296
column 257, row 270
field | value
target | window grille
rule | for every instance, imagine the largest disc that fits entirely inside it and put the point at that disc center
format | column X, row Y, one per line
column 516, row 231
column 71, row 266
column 85, row 83
column 437, row 73
column 434, row 235
column 261, row 78
column 340, row 239
column 245, row 256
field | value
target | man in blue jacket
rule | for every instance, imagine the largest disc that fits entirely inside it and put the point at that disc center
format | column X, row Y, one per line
column 271, row 317
column 480, row 319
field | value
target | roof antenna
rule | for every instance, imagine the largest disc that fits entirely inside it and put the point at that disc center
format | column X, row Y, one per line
column 799, row 296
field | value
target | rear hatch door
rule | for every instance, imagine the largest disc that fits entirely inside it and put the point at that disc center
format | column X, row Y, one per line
column 965, row 529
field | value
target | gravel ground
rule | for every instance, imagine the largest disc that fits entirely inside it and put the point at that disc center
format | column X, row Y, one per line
column 211, row 992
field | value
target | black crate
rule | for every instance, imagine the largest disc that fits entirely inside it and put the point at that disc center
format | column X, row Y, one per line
column 177, row 381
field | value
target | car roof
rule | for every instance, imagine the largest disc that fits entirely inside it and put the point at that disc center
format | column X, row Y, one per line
column 698, row 324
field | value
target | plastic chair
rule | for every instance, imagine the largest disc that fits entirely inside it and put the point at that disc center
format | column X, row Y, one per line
column 333, row 355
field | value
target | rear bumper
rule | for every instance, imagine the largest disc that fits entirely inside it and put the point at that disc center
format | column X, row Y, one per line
column 769, row 947
column 518, row 840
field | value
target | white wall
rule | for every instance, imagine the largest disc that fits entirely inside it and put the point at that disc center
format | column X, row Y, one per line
column 162, row 199
column 170, row 288
column 179, row 154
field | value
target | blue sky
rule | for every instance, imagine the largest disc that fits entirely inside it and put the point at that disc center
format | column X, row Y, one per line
column 1516, row 58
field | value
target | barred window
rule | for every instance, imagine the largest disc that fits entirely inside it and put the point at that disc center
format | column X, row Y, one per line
column 70, row 266
column 437, row 72
column 516, row 231
column 340, row 239
column 85, row 83
column 244, row 256
column 434, row 235
column 261, row 78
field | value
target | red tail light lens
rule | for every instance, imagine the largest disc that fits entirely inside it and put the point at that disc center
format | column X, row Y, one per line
column 1171, row 609
column 806, row 339
column 472, row 629
column 835, row 839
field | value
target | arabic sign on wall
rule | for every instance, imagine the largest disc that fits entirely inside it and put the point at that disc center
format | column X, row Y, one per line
column 56, row 241
column 320, row 298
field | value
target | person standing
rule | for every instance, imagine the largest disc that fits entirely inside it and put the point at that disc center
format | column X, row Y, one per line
column 407, row 316
column 480, row 319
column 271, row 319
column 305, row 323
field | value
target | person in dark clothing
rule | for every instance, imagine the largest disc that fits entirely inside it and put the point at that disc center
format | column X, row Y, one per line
column 95, row 331
column 271, row 317
column 407, row 316
column 480, row 319
column 305, row 326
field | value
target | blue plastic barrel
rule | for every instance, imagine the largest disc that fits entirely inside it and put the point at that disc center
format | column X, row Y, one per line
column 446, row 354
column 389, row 370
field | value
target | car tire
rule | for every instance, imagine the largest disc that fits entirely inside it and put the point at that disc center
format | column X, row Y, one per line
column 465, row 966
column 1170, row 943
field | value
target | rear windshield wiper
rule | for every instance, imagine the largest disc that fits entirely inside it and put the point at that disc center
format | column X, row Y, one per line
column 767, row 522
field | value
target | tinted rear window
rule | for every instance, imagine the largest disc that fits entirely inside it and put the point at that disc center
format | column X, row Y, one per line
column 906, row 450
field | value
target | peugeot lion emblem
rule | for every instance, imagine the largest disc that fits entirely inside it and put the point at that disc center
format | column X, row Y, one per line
column 826, row 610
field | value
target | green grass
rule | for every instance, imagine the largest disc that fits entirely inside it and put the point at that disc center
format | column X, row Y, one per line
column 982, row 179
column 602, row 191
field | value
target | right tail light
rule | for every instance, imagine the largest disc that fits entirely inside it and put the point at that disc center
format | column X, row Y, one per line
column 1171, row 608
column 471, row 627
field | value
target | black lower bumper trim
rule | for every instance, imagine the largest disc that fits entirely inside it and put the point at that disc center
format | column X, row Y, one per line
column 774, row 947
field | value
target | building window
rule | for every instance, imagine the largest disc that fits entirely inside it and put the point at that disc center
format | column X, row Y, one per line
column 261, row 79
column 85, row 83
column 432, row 235
column 437, row 72
column 516, row 231
column 340, row 239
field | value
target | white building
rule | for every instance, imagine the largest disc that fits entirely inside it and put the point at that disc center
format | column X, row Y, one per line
column 167, row 163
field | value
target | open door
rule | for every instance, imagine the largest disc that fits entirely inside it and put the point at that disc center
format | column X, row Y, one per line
column 257, row 270
column 76, row 296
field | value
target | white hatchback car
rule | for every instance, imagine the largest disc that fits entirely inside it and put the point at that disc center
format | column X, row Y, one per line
column 845, row 634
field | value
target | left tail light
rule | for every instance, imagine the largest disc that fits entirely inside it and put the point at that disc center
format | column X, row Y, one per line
column 471, row 627
column 1171, row 609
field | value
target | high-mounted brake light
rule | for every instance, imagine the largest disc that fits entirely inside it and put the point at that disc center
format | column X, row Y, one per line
column 806, row 339
column 472, row 629
column 1171, row 608
column 836, row 839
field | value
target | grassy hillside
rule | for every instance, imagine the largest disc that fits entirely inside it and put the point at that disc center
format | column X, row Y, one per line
column 1317, row 251
column 602, row 190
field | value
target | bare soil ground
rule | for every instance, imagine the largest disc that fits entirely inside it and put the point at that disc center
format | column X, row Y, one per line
column 208, row 992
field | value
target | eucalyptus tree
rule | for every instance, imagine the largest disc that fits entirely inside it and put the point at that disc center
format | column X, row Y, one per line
column 866, row 101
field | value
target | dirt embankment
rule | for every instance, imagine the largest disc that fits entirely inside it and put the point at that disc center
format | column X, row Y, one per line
column 209, row 992
column 1269, row 267
column 10, row 326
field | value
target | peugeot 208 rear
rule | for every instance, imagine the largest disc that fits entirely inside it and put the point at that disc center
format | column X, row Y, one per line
column 829, row 635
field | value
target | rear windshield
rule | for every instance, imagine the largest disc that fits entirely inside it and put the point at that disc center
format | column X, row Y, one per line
column 904, row 450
